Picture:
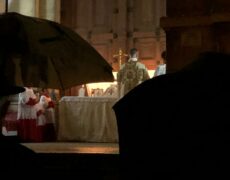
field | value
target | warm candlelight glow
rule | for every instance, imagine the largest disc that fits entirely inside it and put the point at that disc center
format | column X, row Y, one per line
column 105, row 85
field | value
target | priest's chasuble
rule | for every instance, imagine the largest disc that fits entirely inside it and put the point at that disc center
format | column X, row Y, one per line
column 130, row 75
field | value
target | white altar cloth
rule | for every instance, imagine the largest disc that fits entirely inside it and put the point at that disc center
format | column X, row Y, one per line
column 87, row 119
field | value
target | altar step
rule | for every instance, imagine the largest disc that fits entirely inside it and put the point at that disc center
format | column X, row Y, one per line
column 81, row 161
column 74, row 147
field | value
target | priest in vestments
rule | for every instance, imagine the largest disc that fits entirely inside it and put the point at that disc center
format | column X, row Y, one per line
column 131, row 74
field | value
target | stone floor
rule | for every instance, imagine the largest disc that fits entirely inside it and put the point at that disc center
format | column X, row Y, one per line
column 74, row 147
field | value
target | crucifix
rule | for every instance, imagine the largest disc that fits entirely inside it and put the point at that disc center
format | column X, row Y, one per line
column 120, row 55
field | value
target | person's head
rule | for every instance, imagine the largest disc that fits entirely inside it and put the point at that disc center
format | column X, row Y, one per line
column 133, row 53
column 157, row 63
column 163, row 56
column 6, row 90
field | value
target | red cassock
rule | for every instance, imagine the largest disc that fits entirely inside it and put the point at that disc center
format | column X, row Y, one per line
column 29, row 129
column 49, row 114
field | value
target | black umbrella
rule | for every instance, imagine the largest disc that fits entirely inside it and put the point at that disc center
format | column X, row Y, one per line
column 42, row 53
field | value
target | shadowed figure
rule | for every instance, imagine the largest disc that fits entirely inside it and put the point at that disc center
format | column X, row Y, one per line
column 16, row 159
column 161, row 65
column 178, row 125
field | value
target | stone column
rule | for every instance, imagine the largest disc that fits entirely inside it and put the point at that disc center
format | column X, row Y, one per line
column 27, row 7
column 2, row 6
column 49, row 9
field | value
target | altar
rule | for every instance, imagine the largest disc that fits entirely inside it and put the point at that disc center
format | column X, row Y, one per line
column 87, row 119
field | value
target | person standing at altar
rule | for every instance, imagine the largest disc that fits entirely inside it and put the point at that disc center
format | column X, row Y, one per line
column 47, row 105
column 161, row 67
column 28, row 130
column 131, row 74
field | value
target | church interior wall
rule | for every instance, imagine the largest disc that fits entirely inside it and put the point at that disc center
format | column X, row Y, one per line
column 194, row 27
column 110, row 25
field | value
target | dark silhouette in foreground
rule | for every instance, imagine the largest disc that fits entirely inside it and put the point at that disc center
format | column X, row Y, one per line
column 178, row 125
column 16, row 159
